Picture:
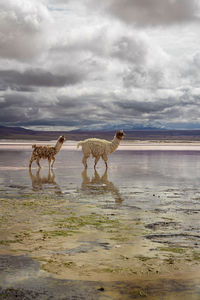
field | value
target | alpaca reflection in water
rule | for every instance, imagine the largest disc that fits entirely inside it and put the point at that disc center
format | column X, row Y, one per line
column 100, row 185
column 39, row 183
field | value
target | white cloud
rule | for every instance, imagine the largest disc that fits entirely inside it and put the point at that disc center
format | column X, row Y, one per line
column 153, row 12
column 23, row 24
column 93, row 70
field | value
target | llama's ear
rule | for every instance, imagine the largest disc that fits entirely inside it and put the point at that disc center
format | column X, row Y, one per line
column 120, row 134
column 123, row 132
column 62, row 139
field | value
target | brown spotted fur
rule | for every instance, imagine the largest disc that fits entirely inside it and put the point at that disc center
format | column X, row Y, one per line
column 46, row 152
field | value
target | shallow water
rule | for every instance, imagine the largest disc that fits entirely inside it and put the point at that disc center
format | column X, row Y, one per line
column 158, row 189
column 137, row 179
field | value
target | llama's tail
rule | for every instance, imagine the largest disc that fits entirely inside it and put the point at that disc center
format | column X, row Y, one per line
column 80, row 144
column 34, row 146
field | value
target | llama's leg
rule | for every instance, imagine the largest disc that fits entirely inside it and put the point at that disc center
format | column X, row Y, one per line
column 32, row 177
column 30, row 173
column 85, row 178
column 49, row 175
column 38, row 162
column 105, row 158
column 49, row 161
column 53, row 176
column 96, row 178
column 96, row 161
column 104, row 178
column 31, row 161
column 53, row 158
column 84, row 160
column 38, row 175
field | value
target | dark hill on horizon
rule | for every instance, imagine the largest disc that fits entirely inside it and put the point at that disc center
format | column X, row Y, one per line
column 19, row 133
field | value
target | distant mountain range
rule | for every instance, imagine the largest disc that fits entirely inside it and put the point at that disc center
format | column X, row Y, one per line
column 19, row 133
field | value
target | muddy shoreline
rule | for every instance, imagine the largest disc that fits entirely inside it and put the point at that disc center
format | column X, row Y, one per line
column 37, row 285
column 89, row 254
column 128, row 233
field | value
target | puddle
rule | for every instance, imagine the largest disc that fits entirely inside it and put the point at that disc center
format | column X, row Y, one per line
column 185, row 240
column 163, row 225
column 42, row 287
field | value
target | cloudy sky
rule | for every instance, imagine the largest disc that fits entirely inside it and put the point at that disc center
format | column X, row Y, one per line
column 90, row 64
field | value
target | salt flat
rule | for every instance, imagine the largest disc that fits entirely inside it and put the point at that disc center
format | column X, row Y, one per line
column 131, row 230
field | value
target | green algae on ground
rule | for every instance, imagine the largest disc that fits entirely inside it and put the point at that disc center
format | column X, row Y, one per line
column 112, row 270
column 120, row 238
column 31, row 203
column 69, row 264
column 52, row 212
column 54, row 233
column 173, row 250
column 123, row 257
column 23, row 235
column 95, row 220
column 3, row 220
column 8, row 242
column 5, row 242
column 73, row 224
column 196, row 256
column 143, row 258
column 48, row 264
column 18, row 239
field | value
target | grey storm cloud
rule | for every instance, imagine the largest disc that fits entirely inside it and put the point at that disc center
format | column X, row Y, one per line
column 147, row 107
column 68, row 63
column 153, row 12
column 88, row 111
column 190, row 71
column 16, row 108
column 24, row 81
column 139, row 76
column 65, row 102
column 130, row 49
column 102, row 43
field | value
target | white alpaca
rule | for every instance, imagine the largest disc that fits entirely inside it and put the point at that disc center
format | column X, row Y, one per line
column 100, row 148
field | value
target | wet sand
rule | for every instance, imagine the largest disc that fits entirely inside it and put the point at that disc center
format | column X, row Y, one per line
column 127, row 233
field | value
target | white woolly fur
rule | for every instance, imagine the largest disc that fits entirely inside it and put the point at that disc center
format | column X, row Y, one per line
column 99, row 148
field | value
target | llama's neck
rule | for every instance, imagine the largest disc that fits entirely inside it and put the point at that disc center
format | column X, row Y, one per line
column 58, row 146
column 114, row 144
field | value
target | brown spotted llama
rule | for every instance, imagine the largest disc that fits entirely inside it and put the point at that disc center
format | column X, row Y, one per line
column 46, row 152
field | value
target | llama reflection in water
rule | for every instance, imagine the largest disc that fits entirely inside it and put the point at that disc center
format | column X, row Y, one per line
column 40, row 182
column 99, row 185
